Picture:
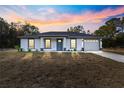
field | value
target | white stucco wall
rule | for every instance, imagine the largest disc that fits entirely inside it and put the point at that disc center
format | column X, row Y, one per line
column 41, row 43
column 53, row 45
column 79, row 44
column 67, row 44
column 24, row 44
column 37, row 44
column 64, row 42
column 82, row 43
column 100, row 43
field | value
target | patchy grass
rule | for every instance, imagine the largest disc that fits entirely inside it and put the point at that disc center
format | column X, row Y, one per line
column 59, row 70
column 115, row 50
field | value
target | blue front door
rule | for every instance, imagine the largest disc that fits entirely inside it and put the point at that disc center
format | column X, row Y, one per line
column 59, row 44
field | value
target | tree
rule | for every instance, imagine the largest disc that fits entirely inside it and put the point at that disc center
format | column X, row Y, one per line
column 71, row 29
column 4, row 32
column 9, row 32
column 78, row 28
column 112, row 38
column 102, row 31
column 12, row 35
column 30, row 29
column 68, row 30
column 109, row 29
column 122, row 24
column 88, row 31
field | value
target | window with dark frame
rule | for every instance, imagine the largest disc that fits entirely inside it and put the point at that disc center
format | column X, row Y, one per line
column 47, row 43
column 73, row 43
column 31, row 44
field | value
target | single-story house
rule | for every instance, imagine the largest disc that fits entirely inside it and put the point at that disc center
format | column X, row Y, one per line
column 60, row 41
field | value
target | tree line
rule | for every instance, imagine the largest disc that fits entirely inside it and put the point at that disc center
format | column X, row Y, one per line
column 78, row 29
column 112, row 32
column 10, row 32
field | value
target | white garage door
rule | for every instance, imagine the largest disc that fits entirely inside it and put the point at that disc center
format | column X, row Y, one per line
column 91, row 45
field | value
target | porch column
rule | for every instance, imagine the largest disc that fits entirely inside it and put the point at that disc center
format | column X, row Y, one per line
column 41, row 43
column 100, row 43
column 82, row 48
column 64, row 43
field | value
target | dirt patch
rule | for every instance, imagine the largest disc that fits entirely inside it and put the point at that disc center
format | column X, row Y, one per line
column 59, row 70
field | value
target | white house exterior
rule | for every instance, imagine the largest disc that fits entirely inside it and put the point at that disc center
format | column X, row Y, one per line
column 61, row 41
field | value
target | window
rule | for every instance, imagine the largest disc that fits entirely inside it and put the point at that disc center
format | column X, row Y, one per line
column 91, row 40
column 47, row 43
column 31, row 43
column 73, row 43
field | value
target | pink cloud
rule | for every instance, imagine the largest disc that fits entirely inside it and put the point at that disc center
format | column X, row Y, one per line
column 88, row 17
column 50, row 17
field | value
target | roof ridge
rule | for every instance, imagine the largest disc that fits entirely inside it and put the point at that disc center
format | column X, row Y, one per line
column 53, row 31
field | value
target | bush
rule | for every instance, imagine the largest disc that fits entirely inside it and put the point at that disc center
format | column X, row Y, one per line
column 29, row 50
column 74, row 49
column 21, row 49
column 41, row 49
column 108, row 42
column 116, row 41
column 64, row 49
column 120, row 39
column 82, row 49
column 17, row 47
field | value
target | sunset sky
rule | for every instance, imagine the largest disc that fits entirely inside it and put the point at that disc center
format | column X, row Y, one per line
column 59, row 18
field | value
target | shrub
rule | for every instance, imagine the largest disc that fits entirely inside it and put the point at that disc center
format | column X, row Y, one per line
column 41, row 49
column 21, row 49
column 17, row 47
column 75, row 49
column 109, row 42
column 120, row 39
column 116, row 41
column 82, row 49
column 29, row 50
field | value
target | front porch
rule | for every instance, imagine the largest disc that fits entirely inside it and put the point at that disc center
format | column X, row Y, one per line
column 53, row 44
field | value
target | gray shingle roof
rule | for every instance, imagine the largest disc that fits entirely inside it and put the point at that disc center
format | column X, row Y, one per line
column 60, row 34
column 29, row 36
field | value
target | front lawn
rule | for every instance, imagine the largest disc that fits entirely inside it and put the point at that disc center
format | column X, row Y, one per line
column 59, row 70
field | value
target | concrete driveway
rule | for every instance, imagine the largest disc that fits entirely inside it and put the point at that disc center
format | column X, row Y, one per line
column 113, row 56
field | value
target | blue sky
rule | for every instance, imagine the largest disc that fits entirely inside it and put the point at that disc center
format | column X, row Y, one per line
column 74, row 9
column 60, row 17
